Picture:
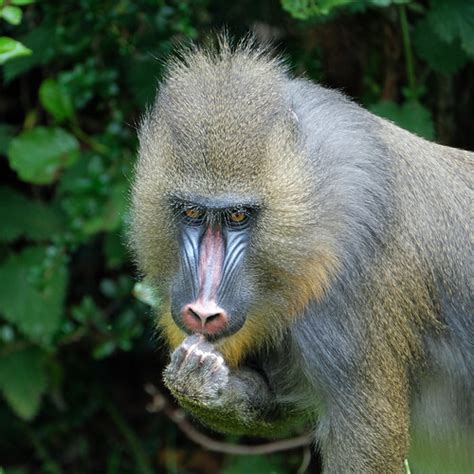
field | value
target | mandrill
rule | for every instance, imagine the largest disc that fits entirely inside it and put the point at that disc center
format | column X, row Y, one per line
column 314, row 263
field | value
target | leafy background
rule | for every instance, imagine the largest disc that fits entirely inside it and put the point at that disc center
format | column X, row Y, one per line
column 77, row 343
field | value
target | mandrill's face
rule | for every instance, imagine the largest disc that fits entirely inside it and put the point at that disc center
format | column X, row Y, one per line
column 210, row 293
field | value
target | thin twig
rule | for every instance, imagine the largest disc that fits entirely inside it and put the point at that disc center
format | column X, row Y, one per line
column 160, row 404
column 87, row 139
column 305, row 461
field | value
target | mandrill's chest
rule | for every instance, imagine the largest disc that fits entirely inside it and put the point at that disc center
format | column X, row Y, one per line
column 286, row 374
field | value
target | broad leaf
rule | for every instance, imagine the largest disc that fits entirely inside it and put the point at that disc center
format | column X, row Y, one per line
column 23, row 380
column 56, row 100
column 21, row 217
column 411, row 115
column 453, row 19
column 32, row 291
column 11, row 14
column 42, row 40
column 39, row 155
column 442, row 56
column 306, row 9
column 10, row 49
column 381, row 3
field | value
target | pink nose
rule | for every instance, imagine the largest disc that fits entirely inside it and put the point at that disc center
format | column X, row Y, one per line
column 205, row 317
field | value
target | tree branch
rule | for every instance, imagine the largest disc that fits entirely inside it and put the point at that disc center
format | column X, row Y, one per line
column 160, row 403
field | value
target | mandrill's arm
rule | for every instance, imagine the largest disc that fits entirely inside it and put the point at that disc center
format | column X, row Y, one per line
column 233, row 401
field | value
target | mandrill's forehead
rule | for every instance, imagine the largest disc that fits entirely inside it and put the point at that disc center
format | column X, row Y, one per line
column 214, row 154
column 220, row 159
column 214, row 183
column 208, row 138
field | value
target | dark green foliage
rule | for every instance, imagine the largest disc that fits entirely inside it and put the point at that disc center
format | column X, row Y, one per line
column 76, row 340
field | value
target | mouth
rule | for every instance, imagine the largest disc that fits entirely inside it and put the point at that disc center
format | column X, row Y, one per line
column 210, row 336
column 213, row 338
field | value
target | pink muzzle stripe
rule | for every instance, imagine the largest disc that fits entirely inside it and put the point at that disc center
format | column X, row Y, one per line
column 211, row 259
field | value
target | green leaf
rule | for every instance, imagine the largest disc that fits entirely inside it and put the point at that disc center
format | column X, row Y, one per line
column 42, row 40
column 453, row 19
column 23, row 380
column 104, row 349
column 11, row 14
column 56, row 100
column 32, row 290
column 381, row 3
column 442, row 56
column 10, row 49
column 325, row 6
column 306, row 9
column 22, row 2
column 21, row 217
column 111, row 215
column 40, row 154
column 411, row 115
column 387, row 3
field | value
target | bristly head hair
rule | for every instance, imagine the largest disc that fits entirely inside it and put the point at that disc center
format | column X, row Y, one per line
column 218, row 48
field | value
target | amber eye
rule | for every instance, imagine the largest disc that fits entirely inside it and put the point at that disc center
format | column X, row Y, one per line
column 238, row 217
column 193, row 214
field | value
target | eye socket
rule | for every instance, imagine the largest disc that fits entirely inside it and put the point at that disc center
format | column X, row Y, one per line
column 238, row 218
column 193, row 215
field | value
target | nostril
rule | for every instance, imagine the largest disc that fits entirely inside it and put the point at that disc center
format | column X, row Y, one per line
column 213, row 317
column 194, row 314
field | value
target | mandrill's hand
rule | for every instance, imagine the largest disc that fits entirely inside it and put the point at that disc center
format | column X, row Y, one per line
column 237, row 401
column 197, row 373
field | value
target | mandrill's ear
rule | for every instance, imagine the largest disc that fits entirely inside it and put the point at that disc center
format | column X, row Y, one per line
column 292, row 125
column 293, row 119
